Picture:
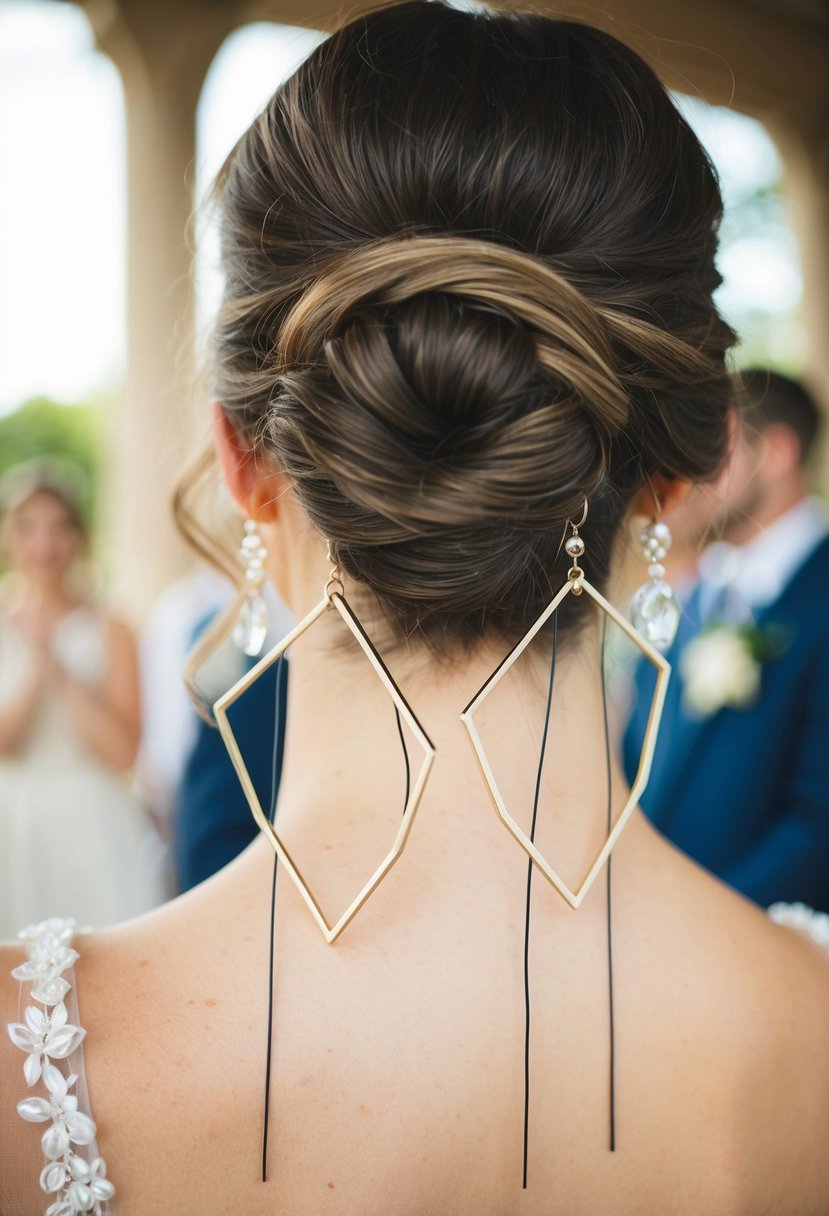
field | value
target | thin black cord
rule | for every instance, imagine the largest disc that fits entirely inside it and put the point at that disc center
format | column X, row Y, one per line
column 529, row 894
column 609, row 900
column 280, row 669
column 275, row 754
column 405, row 757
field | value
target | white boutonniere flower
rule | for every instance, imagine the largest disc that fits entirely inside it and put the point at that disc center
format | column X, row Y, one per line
column 722, row 667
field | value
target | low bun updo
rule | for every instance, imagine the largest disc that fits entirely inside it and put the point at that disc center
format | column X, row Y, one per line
column 469, row 267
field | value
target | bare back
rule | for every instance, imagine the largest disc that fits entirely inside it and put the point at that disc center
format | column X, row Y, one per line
column 397, row 1079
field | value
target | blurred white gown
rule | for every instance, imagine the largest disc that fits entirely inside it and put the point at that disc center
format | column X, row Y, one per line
column 72, row 835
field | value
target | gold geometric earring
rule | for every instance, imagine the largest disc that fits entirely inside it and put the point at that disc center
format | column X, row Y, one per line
column 575, row 584
column 333, row 599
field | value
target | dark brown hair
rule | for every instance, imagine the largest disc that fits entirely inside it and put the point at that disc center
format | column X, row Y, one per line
column 469, row 265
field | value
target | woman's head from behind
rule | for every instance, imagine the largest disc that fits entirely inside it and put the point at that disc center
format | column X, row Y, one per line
column 469, row 263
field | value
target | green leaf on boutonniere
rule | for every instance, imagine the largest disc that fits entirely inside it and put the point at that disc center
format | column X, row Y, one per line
column 767, row 642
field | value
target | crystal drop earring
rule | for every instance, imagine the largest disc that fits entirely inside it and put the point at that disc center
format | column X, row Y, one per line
column 252, row 623
column 655, row 609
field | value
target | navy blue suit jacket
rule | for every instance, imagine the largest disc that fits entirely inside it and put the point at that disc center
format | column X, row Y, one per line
column 213, row 822
column 745, row 792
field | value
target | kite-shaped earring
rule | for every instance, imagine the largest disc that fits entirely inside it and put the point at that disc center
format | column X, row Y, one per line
column 575, row 584
column 333, row 600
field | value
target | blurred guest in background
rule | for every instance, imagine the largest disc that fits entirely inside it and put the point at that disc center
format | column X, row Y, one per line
column 169, row 724
column 71, row 832
column 212, row 820
column 751, row 669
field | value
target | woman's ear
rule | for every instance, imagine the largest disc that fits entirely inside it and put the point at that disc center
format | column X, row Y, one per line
column 253, row 485
column 660, row 495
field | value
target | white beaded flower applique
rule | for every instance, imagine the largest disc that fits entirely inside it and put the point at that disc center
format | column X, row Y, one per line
column 78, row 1185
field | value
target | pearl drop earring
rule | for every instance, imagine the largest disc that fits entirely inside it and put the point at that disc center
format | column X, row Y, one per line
column 252, row 626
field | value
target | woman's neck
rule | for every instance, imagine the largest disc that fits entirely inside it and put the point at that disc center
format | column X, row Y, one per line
column 344, row 785
column 47, row 595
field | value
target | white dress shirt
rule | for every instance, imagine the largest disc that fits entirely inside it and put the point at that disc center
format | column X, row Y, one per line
column 737, row 581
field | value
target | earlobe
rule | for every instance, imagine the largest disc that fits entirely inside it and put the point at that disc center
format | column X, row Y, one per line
column 254, row 488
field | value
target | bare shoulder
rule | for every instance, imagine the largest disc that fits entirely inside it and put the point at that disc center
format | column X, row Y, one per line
column 780, row 974
column 784, row 1075
column 184, row 971
column 10, row 956
column 765, row 1016
column 10, row 1058
column 790, row 1078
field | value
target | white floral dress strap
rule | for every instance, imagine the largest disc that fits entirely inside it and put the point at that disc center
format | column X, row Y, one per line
column 805, row 920
column 74, row 1175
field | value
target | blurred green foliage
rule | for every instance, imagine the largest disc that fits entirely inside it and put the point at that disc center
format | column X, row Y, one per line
column 45, row 429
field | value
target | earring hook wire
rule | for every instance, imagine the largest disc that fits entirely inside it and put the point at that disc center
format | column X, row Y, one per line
column 583, row 519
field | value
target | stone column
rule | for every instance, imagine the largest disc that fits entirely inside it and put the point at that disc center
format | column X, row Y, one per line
column 163, row 53
column 803, row 139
